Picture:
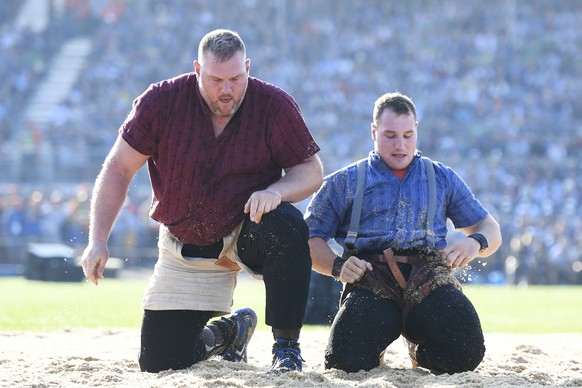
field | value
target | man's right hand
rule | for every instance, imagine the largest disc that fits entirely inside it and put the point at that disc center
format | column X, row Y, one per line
column 262, row 202
column 354, row 269
column 93, row 261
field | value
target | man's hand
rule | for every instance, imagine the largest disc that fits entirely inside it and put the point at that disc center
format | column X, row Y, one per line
column 460, row 252
column 354, row 269
column 93, row 262
column 262, row 202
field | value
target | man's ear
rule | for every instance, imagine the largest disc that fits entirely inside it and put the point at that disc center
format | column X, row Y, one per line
column 197, row 67
column 373, row 131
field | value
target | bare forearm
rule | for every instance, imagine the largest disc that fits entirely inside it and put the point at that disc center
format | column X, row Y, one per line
column 322, row 255
column 109, row 194
column 324, row 260
column 108, row 197
column 491, row 230
column 300, row 181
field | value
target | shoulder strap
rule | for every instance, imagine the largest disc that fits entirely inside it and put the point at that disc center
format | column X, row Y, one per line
column 357, row 206
column 359, row 196
column 430, row 237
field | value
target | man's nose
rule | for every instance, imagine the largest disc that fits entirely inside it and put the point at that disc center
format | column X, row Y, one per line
column 226, row 87
column 399, row 142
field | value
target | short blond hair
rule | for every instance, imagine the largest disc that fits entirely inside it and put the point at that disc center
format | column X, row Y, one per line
column 223, row 44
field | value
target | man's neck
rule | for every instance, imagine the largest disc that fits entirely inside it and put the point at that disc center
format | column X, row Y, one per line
column 219, row 123
column 400, row 173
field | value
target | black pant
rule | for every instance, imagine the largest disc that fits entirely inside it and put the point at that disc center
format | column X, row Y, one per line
column 277, row 248
column 170, row 339
column 446, row 322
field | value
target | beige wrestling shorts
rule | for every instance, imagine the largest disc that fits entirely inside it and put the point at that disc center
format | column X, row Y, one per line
column 192, row 283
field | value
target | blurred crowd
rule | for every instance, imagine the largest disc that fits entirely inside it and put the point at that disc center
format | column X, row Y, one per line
column 62, row 217
column 496, row 84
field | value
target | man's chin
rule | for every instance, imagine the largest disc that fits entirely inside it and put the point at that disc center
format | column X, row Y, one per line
column 224, row 114
column 398, row 164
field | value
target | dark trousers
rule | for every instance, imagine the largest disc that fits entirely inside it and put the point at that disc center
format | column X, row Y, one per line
column 277, row 248
column 170, row 339
column 445, row 321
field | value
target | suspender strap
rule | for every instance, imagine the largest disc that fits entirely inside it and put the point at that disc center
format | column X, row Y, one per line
column 357, row 206
column 359, row 197
column 430, row 237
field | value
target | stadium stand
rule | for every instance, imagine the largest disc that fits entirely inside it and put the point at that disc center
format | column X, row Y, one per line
column 497, row 85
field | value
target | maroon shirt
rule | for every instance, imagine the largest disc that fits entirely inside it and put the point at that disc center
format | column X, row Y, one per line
column 201, row 182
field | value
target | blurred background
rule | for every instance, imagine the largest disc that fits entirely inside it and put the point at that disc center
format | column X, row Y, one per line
column 497, row 84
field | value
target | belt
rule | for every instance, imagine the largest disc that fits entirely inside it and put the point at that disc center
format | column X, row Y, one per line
column 389, row 258
column 375, row 257
column 211, row 251
column 410, row 259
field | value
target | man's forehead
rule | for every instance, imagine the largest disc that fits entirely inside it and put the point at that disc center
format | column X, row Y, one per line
column 227, row 69
column 389, row 116
column 209, row 59
column 394, row 129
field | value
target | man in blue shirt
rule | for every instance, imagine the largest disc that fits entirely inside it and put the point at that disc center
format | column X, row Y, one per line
column 398, row 272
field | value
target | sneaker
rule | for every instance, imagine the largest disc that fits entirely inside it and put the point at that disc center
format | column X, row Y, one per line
column 286, row 356
column 240, row 326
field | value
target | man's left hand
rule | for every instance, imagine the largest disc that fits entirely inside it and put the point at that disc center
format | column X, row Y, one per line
column 460, row 253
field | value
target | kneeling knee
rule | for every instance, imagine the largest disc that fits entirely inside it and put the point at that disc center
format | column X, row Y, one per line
column 284, row 226
column 460, row 360
column 350, row 363
column 474, row 357
column 156, row 364
column 286, row 218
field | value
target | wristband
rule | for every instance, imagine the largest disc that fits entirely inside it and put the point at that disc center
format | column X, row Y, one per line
column 336, row 269
column 483, row 244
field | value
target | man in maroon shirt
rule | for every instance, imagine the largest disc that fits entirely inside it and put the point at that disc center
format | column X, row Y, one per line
column 216, row 142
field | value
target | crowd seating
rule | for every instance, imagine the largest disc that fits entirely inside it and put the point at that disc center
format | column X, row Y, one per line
column 496, row 84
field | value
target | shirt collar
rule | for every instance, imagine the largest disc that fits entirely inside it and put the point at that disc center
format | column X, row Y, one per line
column 377, row 162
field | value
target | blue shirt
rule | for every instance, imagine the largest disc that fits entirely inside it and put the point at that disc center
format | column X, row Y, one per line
column 393, row 212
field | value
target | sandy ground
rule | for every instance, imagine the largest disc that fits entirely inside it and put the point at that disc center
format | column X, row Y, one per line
column 100, row 357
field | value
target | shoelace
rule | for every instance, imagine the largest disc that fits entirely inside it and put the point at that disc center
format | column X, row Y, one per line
column 288, row 359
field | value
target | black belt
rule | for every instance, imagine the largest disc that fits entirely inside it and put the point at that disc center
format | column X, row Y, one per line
column 211, row 251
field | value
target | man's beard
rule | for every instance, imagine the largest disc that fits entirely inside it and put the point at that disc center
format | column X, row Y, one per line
column 215, row 107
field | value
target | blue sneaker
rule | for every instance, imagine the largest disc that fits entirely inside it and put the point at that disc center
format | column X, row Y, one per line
column 241, row 326
column 286, row 356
